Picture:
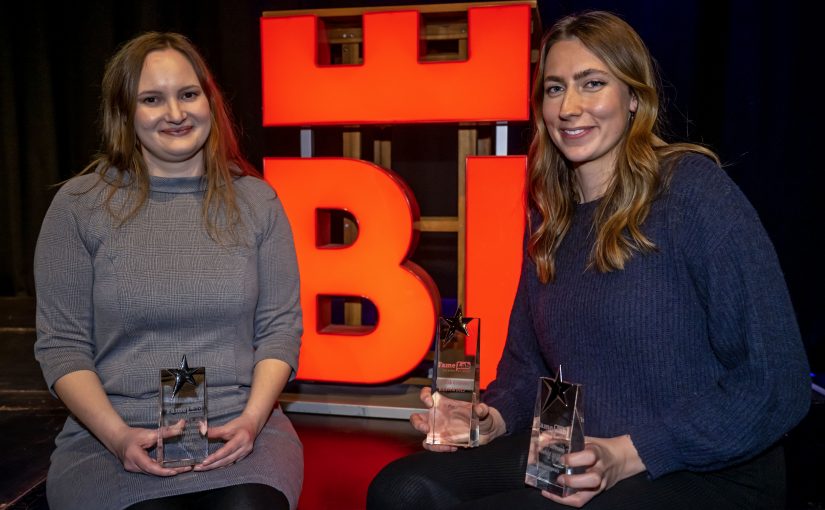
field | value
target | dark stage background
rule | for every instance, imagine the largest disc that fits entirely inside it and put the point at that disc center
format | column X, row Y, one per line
column 738, row 77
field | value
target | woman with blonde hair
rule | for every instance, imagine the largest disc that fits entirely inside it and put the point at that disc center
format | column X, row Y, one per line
column 648, row 277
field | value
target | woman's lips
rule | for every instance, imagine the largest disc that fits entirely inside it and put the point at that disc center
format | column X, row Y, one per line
column 181, row 131
column 574, row 133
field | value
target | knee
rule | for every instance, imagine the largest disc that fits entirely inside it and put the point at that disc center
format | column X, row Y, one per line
column 385, row 490
column 399, row 486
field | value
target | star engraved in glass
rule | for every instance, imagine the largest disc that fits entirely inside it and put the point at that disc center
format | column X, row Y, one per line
column 182, row 418
column 557, row 430
column 453, row 420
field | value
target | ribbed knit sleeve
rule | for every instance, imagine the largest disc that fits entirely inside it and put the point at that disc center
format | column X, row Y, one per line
column 763, row 390
column 513, row 392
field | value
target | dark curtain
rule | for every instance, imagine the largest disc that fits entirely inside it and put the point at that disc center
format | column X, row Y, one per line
column 738, row 76
column 51, row 63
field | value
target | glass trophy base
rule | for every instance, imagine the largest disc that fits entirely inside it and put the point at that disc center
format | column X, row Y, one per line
column 543, row 473
column 540, row 481
column 183, row 443
column 454, row 421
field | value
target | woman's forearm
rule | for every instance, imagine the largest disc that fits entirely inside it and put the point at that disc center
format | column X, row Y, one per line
column 268, row 380
column 82, row 393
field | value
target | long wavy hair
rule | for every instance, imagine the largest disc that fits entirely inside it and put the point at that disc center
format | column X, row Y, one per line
column 223, row 159
column 643, row 157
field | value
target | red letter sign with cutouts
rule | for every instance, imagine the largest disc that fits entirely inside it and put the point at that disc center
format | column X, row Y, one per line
column 392, row 86
column 373, row 267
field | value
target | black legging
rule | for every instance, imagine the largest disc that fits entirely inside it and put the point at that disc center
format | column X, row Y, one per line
column 492, row 477
column 248, row 496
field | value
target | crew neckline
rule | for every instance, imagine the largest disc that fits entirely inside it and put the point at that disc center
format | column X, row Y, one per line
column 584, row 206
column 177, row 184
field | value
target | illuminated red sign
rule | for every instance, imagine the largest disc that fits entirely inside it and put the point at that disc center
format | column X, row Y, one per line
column 495, row 230
column 374, row 267
column 392, row 87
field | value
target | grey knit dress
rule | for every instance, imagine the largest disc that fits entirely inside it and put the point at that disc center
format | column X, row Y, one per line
column 126, row 300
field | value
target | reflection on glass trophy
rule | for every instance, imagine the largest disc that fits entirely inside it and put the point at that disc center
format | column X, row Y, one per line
column 557, row 430
column 453, row 420
column 182, row 426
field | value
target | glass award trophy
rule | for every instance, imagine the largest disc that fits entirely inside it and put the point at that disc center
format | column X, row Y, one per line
column 182, row 427
column 453, row 420
column 557, row 430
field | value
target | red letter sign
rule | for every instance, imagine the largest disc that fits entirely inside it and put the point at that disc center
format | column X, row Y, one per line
column 392, row 86
column 495, row 228
column 374, row 267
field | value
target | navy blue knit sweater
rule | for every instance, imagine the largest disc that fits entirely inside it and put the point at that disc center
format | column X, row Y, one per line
column 692, row 349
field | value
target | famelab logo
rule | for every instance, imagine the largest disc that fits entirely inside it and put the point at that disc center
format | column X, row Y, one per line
column 458, row 366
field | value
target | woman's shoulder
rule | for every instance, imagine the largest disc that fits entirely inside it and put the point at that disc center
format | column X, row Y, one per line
column 254, row 188
column 257, row 200
column 87, row 189
column 702, row 200
column 696, row 180
column 80, row 183
column 694, row 171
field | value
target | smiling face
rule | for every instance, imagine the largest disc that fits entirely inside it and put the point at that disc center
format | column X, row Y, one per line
column 172, row 117
column 586, row 109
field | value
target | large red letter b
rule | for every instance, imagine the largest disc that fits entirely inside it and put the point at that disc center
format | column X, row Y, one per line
column 373, row 267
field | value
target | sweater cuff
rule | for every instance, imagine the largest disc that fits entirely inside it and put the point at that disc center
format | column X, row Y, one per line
column 657, row 449
column 507, row 412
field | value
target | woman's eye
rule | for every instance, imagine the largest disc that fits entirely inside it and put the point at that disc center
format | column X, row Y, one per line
column 594, row 84
column 150, row 100
column 553, row 90
column 190, row 95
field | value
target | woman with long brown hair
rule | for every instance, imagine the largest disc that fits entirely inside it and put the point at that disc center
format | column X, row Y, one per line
column 648, row 277
column 169, row 249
